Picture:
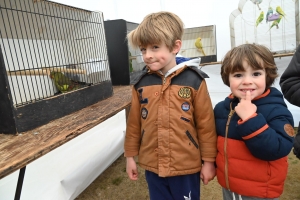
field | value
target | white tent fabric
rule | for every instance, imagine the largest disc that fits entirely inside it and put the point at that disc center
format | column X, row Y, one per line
column 66, row 171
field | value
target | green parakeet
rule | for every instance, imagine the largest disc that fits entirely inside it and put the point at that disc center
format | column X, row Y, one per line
column 276, row 22
column 270, row 11
column 280, row 11
column 198, row 45
column 260, row 18
column 63, row 83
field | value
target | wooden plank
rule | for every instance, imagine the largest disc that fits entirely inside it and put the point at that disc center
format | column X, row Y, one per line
column 283, row 55
column 16, row 151
column 31, row 72
column 44, row 71
column 65, row 70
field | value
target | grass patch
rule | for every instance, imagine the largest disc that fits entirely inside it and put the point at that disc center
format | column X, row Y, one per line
column 117, row 181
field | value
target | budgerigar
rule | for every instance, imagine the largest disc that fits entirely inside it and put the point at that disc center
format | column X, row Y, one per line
column 260, row 18
column 198, row 45
column 270, row 11
column 280, row 11
column 276, row 22
column 62, row 82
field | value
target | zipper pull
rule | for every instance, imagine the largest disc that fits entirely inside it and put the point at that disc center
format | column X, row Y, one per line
column 229, row 117
column 164, row 80
column 231, row 113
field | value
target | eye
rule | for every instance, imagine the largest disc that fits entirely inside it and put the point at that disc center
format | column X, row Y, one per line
column 155, row 47
column 142, row 50
column 237, row 75
column 256, row 74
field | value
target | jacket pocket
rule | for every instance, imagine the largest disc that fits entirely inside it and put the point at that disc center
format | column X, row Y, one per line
column 192, row 139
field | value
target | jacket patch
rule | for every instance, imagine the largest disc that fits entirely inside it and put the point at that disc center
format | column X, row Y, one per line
column 185, row 106
column 185, row 119
column 184, row 92
column 142, row 100
column 192, row 139
column 144, row 113
column 289, row 130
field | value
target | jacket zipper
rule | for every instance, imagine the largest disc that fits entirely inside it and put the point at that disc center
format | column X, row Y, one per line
column 164, row 81
column 225, row 146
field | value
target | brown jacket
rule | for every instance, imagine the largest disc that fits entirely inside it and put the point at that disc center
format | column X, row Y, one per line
column 171, row 123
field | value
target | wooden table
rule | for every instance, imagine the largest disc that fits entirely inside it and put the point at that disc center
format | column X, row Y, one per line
column 16, row 151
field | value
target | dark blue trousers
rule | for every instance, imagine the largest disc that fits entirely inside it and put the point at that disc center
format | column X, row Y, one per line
column 184, row 187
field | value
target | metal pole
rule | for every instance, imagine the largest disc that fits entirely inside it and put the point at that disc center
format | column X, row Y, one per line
column 20, row 183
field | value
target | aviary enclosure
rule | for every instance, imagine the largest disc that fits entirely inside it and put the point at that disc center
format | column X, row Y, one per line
column 53, row 61
column 268, row 22
column 200, row 42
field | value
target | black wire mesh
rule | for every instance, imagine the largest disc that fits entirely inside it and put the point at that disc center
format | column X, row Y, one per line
column 50, row 48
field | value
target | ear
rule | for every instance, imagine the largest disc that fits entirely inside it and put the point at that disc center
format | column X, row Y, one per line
column 177, row 46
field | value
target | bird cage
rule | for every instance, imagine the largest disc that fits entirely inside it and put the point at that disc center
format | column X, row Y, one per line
column 53, row 61
column 125, row 62
column 269, row 23
column 200, row 42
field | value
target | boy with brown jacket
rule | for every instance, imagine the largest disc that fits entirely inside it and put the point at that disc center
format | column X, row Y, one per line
column 171, row 125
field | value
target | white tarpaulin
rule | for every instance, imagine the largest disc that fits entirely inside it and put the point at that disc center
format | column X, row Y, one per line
column 66, row 171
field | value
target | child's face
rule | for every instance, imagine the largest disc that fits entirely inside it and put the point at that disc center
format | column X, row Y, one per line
column 159, row 57
column 250, row 79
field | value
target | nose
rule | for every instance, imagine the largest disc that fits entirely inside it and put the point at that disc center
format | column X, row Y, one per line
column 147, row 55
column 247, row 80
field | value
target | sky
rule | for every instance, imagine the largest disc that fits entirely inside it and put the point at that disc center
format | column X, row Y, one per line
column 194, row 13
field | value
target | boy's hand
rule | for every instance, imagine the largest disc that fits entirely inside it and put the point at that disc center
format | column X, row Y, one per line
column 208, row 172
column 245, row 108
column 131, row 168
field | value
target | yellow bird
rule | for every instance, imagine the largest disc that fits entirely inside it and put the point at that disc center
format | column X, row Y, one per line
column 280, row 11
column 198, row 45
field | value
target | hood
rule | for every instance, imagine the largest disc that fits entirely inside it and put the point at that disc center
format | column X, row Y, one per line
column 191, row 63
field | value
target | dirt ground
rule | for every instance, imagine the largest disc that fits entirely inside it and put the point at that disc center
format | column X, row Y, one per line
column 113, row 184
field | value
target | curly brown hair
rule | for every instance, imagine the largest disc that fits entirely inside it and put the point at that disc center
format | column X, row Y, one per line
column 257, row 56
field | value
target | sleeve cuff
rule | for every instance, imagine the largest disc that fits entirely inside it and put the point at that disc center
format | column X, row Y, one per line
column 242, row 121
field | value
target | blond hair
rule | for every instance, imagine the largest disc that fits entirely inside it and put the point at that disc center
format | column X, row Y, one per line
column 157, row 28
column 257, row 56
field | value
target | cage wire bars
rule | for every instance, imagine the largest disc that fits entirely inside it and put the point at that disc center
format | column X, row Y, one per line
column 50, row 48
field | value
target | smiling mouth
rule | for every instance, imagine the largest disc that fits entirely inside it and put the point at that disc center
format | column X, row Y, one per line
column 245, row 90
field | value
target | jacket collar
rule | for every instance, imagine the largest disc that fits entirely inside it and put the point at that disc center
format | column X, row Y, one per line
column 178, row 68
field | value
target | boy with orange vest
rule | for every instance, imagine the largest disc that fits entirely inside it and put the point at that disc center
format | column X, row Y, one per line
column 254, row 127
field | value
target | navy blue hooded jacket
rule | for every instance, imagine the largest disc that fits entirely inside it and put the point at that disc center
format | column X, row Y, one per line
column 252, row 154
column 271, row 144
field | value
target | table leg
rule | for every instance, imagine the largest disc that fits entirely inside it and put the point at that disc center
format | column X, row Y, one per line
column 20, row 183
